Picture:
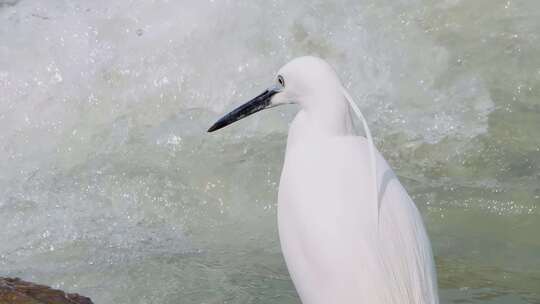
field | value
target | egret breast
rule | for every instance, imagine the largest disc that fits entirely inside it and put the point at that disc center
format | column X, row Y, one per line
column 335, row 247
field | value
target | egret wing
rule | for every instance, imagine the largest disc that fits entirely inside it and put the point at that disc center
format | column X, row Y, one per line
column 331, row 238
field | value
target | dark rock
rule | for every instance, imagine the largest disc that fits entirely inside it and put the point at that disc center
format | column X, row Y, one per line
column 17, row 291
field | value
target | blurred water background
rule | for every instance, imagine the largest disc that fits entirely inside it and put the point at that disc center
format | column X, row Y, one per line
column 110, row 187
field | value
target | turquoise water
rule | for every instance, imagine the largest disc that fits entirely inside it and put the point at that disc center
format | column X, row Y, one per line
column 110, row 187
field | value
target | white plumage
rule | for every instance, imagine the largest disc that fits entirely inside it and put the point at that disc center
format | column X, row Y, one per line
column 346, row 237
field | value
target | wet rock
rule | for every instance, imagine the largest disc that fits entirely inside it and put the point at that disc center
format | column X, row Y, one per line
column 17, row 291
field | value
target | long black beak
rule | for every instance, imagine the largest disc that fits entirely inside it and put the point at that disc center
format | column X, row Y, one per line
column 258, row 103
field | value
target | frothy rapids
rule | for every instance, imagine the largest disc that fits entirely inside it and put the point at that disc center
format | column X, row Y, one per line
column 110, row 187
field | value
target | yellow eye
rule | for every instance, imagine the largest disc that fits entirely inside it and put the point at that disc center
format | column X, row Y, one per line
column 281, row 81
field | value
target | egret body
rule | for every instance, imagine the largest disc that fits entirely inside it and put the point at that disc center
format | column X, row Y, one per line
column 349, row 231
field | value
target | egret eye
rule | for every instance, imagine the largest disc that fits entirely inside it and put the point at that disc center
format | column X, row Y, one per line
column 281, row 81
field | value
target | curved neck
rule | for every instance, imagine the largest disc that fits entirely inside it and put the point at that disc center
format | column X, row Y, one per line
column 322, row 116
column 328, row 113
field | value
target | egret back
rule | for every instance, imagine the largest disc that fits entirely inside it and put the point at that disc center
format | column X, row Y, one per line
column 335, row 247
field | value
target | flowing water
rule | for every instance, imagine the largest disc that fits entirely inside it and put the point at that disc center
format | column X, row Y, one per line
column 110, row 187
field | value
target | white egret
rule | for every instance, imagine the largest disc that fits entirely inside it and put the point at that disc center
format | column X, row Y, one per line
column 349, row 231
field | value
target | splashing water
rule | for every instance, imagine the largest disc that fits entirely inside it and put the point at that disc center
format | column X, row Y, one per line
column 110, row 187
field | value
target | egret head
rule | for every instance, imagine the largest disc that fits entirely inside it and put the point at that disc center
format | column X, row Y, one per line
column 295, row 82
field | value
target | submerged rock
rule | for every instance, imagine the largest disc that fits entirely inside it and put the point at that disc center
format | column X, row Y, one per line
column 17, row 291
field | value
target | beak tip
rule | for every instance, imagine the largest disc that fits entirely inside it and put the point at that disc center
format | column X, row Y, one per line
column 213, row 128
column 262, row 101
